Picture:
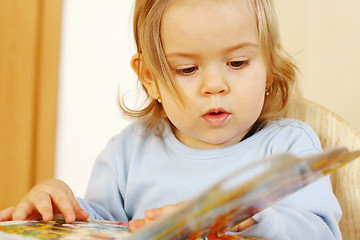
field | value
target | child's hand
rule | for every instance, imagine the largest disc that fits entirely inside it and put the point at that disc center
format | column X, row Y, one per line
column 153, row 214
column 43, row 201
column 243, row 225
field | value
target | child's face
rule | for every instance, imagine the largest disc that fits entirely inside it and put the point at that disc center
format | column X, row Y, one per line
column 213, row 49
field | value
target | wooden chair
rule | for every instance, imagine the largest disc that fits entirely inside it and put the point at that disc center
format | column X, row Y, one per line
column 334, row 131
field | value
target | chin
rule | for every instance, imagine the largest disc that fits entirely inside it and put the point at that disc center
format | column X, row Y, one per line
column 219, row 143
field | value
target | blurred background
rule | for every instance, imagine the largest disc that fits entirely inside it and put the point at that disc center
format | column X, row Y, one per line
column 63, row 63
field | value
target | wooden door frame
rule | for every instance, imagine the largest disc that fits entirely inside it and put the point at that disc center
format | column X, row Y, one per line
column 47, row 92
column 29, row 69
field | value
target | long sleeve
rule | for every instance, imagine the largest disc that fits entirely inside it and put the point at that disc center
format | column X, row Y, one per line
column 311, row 213
column 103, row 199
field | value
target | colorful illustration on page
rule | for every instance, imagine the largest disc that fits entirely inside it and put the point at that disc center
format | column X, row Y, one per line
column 88, row 230
column 79, row 230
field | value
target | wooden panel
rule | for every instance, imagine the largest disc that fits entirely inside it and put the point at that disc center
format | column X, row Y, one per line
column 47, row 89
column 18, row 46
column 29, row 47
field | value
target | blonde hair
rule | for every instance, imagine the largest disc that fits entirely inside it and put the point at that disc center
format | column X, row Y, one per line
column 281, row 71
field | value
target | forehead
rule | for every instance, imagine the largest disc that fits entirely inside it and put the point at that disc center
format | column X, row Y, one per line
column 213, row 22
column 197, row 8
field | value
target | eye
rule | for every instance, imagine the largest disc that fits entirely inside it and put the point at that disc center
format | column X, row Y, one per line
column 237, row 64
column 186, row 71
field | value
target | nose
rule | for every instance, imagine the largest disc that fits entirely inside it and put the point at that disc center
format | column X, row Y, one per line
column 214, row 82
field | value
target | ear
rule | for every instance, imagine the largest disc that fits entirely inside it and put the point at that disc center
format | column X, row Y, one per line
column 138, row 65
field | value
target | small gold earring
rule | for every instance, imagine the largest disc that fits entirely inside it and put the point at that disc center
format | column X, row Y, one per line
column 159, row 100
column 267, row 91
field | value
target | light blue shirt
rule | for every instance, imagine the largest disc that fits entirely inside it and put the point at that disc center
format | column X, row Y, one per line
column 139, row 171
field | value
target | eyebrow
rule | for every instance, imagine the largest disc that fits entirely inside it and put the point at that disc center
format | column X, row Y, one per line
column 242, row 45
column 227, row 50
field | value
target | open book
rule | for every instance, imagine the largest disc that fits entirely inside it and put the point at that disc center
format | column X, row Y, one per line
column 225, row 204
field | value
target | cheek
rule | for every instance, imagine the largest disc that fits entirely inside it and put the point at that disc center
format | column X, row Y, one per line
column 251, row 92
column 259, row 83
column 252, row 87
column 259, row 96
column 188, row 91
column 171, row 106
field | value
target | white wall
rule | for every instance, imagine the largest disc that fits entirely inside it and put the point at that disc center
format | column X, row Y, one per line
column 323, row 35
column 96, row 50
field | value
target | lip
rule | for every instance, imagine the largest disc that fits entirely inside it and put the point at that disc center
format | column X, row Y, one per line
column 216, row 117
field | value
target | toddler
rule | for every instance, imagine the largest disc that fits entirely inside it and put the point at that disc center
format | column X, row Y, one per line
column 217, row 82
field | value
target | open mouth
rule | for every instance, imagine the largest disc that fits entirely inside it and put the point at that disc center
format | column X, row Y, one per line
column 216, row 117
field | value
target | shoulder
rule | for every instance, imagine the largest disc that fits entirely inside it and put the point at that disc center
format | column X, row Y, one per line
column 127, row 141
column 291, row 125
column 132, row 135
column 134, row 129
column 292, row 135
column 126, row 148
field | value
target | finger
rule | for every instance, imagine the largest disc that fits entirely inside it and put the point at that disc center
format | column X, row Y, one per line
column 7, row 214
column 167, row 209
column 80, row 213
column 152, row 214
column 44, row 205
column 246, row 224
column 135, row 225
column 24, row 210
column 63, row 204
column 243, row 225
